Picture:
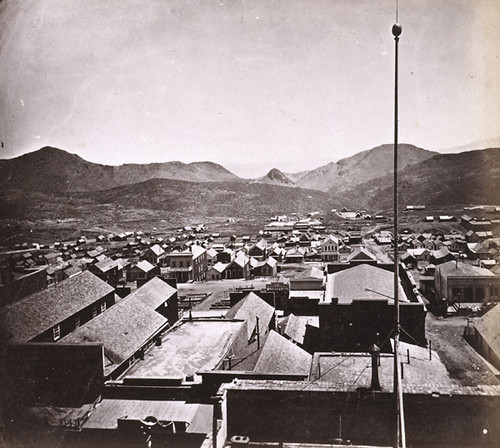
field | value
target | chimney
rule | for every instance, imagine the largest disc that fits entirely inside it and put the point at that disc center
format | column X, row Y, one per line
column 374, row 351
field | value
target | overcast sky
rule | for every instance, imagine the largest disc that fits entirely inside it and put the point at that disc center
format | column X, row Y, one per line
column 250, row 84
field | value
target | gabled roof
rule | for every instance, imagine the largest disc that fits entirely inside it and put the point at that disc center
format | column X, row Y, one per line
column 211, row 253
column 442, row 253
column 271, row 262
column 220, row 267
column 241, row 260
column 153, row 293
column 122, row 329
column 197, row 250
column 406, row 256
column 279, row 355
column 122, row 263
column 362, row 282
column 248, row 309
column 330, row 238
column 144, row 266
column 294, row 327
column 157, row 250
column 361, row 254
column 310, row 273
column 106, row 265
column 299, row 251
column 37, row 313
column 460, row 269
column 262, row 244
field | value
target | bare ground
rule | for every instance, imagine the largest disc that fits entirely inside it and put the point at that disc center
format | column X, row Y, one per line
column 464, row 364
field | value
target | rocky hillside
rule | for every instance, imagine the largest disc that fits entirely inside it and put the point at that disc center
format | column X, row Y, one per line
column 471, row 177
column 276, row 177
column 362, row 167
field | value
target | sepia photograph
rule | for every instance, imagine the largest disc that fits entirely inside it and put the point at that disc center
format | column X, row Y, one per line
column 249, row 223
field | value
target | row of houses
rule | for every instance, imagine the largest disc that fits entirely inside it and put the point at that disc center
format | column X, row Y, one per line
column 129, row 377
column 218, row 262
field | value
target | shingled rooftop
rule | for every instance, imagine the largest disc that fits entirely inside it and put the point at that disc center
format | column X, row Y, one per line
column 37, row 313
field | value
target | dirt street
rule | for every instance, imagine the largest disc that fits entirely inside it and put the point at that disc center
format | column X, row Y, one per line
column 463, row 363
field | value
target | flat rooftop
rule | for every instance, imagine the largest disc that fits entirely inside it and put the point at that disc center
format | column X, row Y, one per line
column 312, row 294
column 353, row 370
column 108, row 411
column 188, row 348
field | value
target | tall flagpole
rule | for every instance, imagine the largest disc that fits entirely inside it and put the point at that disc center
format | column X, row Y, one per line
column 396, row 31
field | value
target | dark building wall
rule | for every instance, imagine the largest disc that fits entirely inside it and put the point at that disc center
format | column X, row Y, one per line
column 52, row 375
column 367, row 418
column 303, row 306
column 200, row 265
column 356, row 326
column 170, row 309
column 22, row 287
column 223, row 257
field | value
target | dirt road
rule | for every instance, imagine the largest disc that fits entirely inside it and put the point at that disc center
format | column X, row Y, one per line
column 461, row 360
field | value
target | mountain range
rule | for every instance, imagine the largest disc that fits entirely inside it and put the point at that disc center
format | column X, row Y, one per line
column 54, row 170
column 39, row 181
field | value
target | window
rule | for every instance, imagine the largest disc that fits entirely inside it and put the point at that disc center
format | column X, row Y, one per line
column 56, row 332
column 94, row 310
column 76, row 321
column 103, row 307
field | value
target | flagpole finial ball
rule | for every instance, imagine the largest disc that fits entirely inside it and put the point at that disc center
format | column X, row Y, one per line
column 397, row 30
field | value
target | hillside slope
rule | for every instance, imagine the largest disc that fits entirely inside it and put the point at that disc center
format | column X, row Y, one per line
column 54, row 170
column 471, row 177
column 194, row 199
column 362, row 167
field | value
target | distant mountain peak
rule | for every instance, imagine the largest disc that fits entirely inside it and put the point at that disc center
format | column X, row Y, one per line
column 361, row 167
column 276, row 177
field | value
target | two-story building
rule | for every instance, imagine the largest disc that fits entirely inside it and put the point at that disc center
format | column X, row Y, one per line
column 187, row 265
column 239, row 267
column 50, row 314
column 330, row 249
column 258, row 250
